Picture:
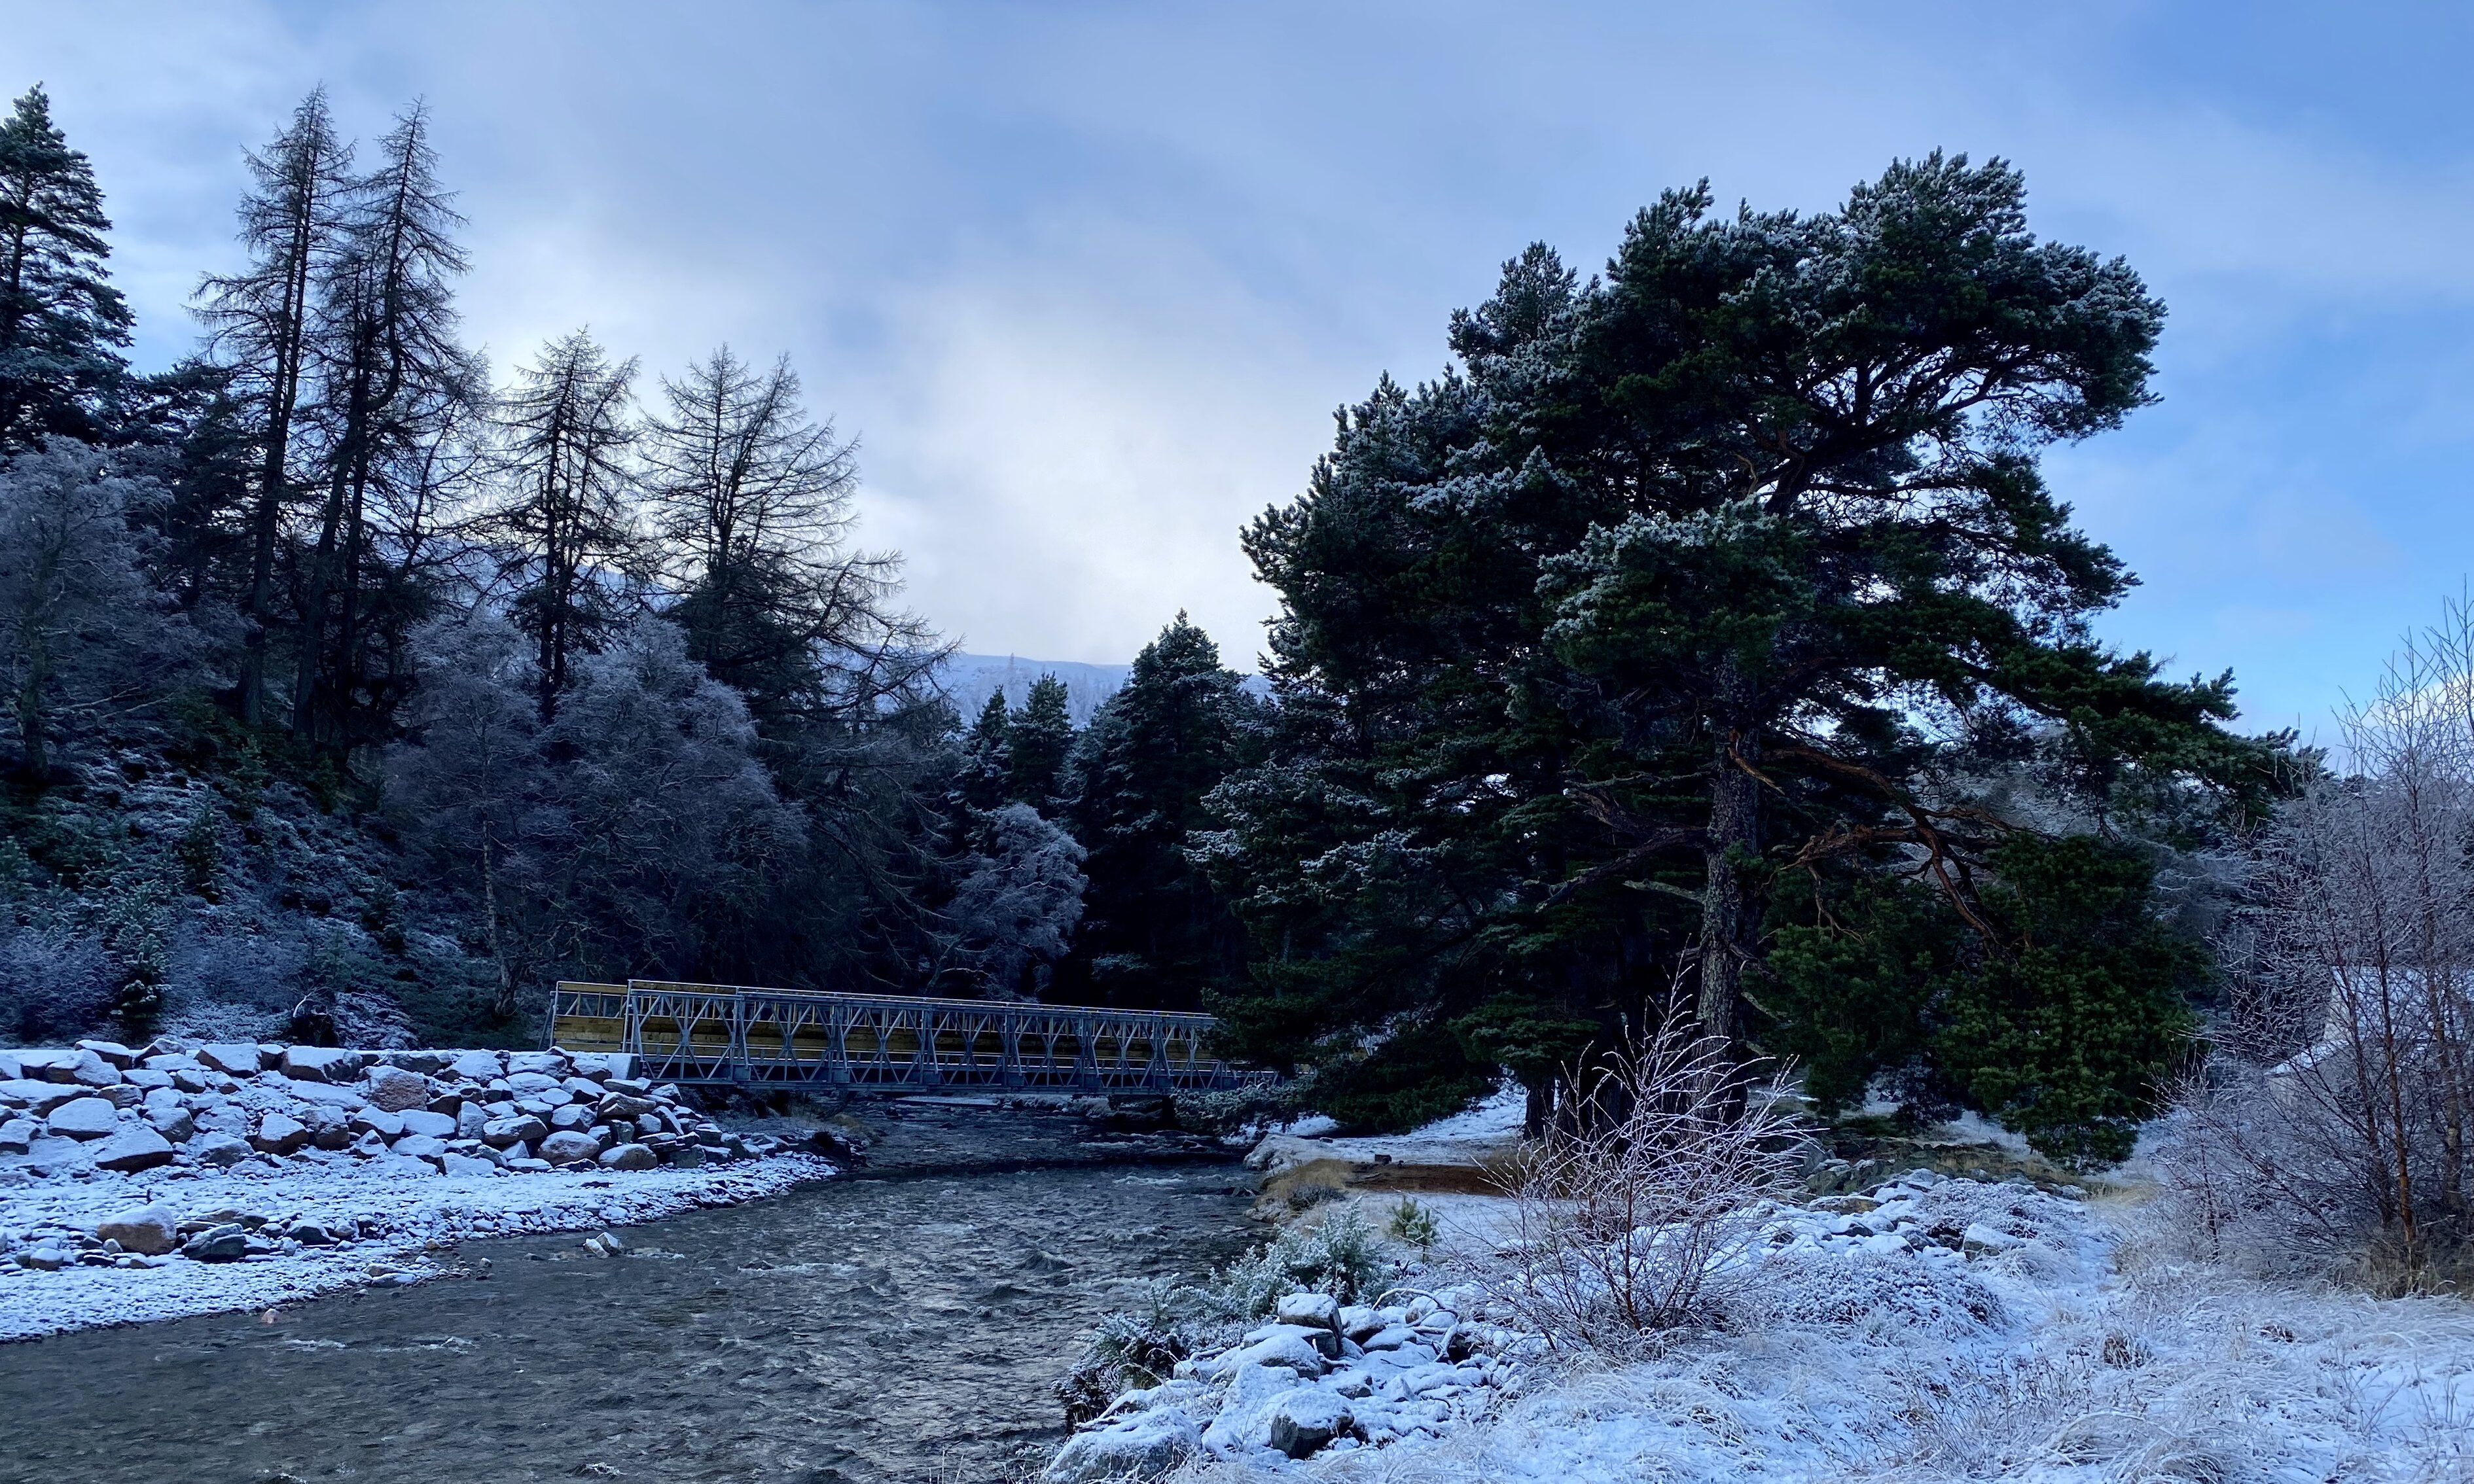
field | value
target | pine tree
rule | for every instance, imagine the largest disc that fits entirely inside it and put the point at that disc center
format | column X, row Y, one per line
column 61, row 323
column 987, row 777
column 1039, row 736
column 566, row 431
column 260, row 321
column 1156, row 933
column 1733, row 566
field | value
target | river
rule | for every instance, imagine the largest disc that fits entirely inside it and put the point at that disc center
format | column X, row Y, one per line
column 904, row 1322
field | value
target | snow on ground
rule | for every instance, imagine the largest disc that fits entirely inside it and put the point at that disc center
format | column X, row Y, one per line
column 1933, row 1331
column 398, row 1224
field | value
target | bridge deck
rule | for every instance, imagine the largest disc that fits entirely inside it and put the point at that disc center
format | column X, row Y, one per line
column 710, row 1033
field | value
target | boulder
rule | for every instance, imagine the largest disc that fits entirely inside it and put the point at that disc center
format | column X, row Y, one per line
column 220, row 1150
column 568, row 1147
column 376, row 1120
column 548, row 1064
column 522, row 1129
column 279, row 1135
column 112, row 1051
column 453, row 1163
column 173, row 1123
column 145, row 1081
column 90, row 1070
column 1306, row 1419
column 84, row 1117
column 132, row 1150
column 470, row 1121
column 43, row 1259
column 574, row 1115
column 17, row 1134
column 622, row 1105
column 420, row 1121
column 686, row 1157
column 122, row 1096
column 396, row 1090
column 1145, row 1446
column 47, row 1064
column 10, row 1068
column 629, row 1157
column 322, row 1064
column 235, row 1060
column 424, row 1063
column 1317, row 1311
column 227, row 1243
column 1286, row 1347
column 419, row 1146
column 475, row 1066
column 147, row 1230
column 39, row 1097
column 535, row 1085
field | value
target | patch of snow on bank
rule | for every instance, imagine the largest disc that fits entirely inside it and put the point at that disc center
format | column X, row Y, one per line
column 405, row 1220
column 1962, row 1330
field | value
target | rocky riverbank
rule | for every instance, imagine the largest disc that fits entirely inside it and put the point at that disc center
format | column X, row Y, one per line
column 183, row 1178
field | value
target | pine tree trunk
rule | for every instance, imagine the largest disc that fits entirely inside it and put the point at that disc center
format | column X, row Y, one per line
column 1731, row 905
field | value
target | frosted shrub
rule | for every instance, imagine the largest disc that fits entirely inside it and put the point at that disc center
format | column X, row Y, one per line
column 2336, row 1124
column 1630, row 1222
column 55, row 983
column 1139, row 1347
column 1340, row 1255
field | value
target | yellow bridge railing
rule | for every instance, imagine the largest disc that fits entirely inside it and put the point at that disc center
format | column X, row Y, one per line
column 713, row 1033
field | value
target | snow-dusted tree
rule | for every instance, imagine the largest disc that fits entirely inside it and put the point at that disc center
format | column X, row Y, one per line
column 1040, row 735
column 1015, row 909
column 84, row 635
column 670, row 831
column 394, row 384
column 468, row 786
column 567, row 523
column 61, row 323
column 258, row 322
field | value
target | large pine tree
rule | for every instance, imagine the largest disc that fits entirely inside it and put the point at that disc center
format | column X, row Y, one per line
column 61, row 323
column 1732, row 567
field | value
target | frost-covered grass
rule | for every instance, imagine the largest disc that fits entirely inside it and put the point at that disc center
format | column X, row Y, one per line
column 2080, row 1351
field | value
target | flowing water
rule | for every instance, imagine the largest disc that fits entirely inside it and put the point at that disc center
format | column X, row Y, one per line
column 904, row 1322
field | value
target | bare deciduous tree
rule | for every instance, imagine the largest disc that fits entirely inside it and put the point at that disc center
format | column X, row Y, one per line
column 2339, row 1114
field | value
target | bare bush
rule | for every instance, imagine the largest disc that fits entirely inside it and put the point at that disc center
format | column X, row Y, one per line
column 2338, row 1117
column 1636, row 1219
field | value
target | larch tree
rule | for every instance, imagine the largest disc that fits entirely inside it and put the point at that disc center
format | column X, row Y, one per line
column 261, row 320
column 567, row 521
column 393, row 379
column 62, row 324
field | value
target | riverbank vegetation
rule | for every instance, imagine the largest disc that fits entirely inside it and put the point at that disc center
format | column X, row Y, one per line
column 1705, row 636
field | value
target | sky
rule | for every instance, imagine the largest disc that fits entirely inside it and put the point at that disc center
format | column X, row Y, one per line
column 1088, row 281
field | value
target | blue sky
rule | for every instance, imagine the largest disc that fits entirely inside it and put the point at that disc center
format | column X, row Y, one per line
column 1087, row 281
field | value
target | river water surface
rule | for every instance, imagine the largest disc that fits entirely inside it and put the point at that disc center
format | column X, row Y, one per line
column 904, row 1322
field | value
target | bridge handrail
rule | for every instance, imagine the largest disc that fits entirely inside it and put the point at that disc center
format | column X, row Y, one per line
column 1190, row 1017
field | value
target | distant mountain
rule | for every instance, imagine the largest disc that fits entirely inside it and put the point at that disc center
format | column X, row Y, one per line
column 971, row 679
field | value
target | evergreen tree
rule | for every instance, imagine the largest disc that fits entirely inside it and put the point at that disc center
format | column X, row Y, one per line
column 986, row 778
column 1733, row 567
column 1155, row 932
column 1039, row 738
column 260, row 321
column 61, row 323
column 397, row 392
column 569, row 519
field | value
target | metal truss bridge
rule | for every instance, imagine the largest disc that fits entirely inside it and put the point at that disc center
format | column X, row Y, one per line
column 712, row 1033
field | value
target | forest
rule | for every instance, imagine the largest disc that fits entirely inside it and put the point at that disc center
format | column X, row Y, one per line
column 1703, row 644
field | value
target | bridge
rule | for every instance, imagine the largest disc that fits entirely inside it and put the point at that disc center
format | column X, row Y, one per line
column 730, row 1034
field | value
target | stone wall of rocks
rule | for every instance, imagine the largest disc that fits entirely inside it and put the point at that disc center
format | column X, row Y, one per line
column 179, row 1110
